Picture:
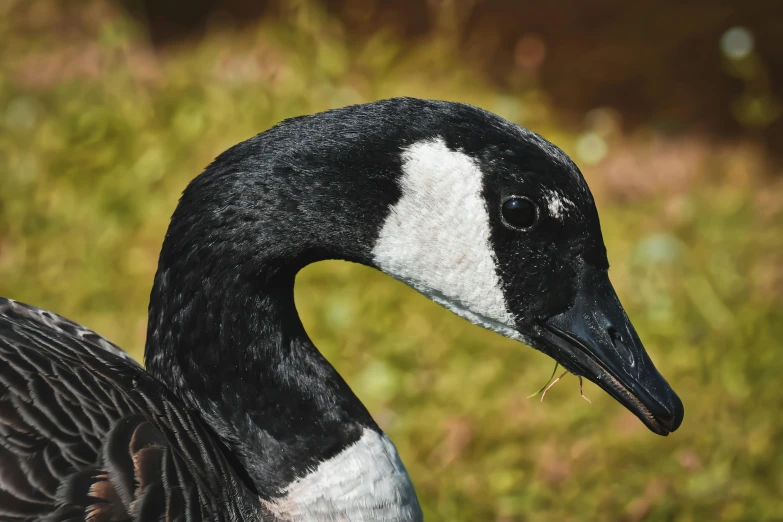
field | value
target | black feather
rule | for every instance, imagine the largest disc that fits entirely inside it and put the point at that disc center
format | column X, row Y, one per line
column 78, row 441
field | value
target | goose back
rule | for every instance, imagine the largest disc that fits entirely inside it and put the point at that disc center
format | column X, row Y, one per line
column 89, row 435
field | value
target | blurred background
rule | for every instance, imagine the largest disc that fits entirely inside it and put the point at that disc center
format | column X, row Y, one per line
column 672, row 110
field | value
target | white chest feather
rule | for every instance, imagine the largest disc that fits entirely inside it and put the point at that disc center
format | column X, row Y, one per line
column 366, row 482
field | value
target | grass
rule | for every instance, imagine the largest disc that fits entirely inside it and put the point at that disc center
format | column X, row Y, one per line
column 93, row 157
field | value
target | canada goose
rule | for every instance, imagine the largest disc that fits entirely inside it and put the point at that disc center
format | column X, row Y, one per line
column 238, row 416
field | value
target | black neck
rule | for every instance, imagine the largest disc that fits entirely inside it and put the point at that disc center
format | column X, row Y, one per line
column 223, row 330
column 237, row 354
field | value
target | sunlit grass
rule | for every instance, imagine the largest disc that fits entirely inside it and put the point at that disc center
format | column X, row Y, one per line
column 90, row 171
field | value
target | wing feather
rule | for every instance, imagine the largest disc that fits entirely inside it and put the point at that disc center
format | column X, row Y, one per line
column 86, row 434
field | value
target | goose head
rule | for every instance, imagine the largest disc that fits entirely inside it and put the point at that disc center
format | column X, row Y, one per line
column 499, row 226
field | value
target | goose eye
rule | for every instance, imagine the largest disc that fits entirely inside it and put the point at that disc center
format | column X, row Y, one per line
column 519, row 213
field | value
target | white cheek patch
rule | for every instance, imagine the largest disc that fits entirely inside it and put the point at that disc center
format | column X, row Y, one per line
column 366, row 482
column 437, row 237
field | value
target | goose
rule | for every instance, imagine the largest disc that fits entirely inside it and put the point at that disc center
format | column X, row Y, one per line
column 236, row 415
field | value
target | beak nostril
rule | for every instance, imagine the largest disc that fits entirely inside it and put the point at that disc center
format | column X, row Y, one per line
column 614, row 335
column 619, row 345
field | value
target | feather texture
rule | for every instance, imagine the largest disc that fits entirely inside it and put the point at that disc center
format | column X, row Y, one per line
column 87, row 435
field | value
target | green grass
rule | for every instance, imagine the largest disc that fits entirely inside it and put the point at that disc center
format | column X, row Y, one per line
column 92, row 163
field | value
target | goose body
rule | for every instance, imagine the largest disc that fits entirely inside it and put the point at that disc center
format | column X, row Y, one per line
column 87, row 434
column 237, row 415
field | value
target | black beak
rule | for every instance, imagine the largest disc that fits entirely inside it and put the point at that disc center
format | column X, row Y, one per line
column 595, row 339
